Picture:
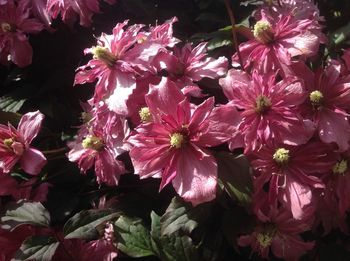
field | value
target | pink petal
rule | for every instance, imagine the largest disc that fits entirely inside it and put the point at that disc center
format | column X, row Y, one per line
column 30, row 125
column 32, row 161
column 195, row 179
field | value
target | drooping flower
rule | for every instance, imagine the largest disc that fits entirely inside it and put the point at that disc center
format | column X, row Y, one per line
column 99, row 143
column 71, row 9
column 328, row 103
column 172, row 144
column 277, row 231
column 270, row 109
column 15, row 24
column 15, row 145
column 292, row 172
column 277, row 39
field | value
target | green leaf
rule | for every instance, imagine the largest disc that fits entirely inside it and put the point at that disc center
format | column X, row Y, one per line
column 235, row 176
column 340, row 35
column 218, row 42
column 83, row 224
column 24, row 212
column 173, row 247
column 133, row 237
column 38, row 248
column 181, row 215
column 10, row 104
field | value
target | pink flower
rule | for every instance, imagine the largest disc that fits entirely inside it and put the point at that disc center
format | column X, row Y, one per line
column 270, row 109
column 189, row 65
column 279, row 232
column 172, row 141
column 328, row 103
column 15, row 24
column 99, row 143
column 277, row 40
column 292, row 172
column 15, row 145
column 70, row 9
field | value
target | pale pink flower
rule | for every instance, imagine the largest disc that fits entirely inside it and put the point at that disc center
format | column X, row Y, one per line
column 328, row 103
column 70, row 10
column 292, row 172
column 188, row 65
column 270, row 109
column 277, row 231
column 15, row 24
column 15, row 145
column 172, row 141
column 277, row 40
column 99, row 143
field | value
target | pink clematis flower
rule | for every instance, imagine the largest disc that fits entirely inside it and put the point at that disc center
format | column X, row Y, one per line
column 15, row 24
column 99, row 143
column 270, row 109
column 277, row 231
column 15, row 145
column 292, row 172
column 71, row 9
column 189, row 65
column 277, row 39
column 172, row 141
column 328, row 103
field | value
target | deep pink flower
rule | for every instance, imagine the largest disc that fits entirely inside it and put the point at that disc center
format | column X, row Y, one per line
column 71, row 9
column 270, row 109
column 292, row 172
column 172, row 142
column 15, row 24
column 99, row 143
column 328, row 103
column 279, row 232
column 277, row 40
column 188, row 65
column 15, row 144
column 346, row 59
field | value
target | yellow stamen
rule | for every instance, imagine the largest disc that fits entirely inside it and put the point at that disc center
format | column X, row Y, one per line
column 6, row 27
column 340, row 167
column 8, row 142
column 176, row 140
column 92, row 142
column 281, row 156
column 145, row 114
column 316, row 98
column 266, row 236
column 104, row 55
column 263, row 32
column 262, row 104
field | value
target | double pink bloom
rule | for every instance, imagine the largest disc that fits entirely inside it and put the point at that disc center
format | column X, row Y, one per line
column 172, row 142
column 15, row 145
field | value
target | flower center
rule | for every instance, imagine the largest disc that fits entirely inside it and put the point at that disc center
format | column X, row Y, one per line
column 104, row 55
column 92, row 142
column 266, row 236
column 316, row 98
column 176, row 140
column 340, row 167
column 281, row 156
column 263, row 32
column 145, row 114
column 8, row 142
column 6, row 27
column 262, row 104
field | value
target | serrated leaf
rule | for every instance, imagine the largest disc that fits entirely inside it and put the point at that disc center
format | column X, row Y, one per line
column 10, row 104
column 38, row 248
column 23, row 212
column 181, row 215
column 235, row 176
column 133, row 237
column 83, row 224
column 173, row 247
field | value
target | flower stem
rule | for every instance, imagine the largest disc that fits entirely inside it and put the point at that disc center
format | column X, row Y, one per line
column 55, row 151
column 234, row 34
